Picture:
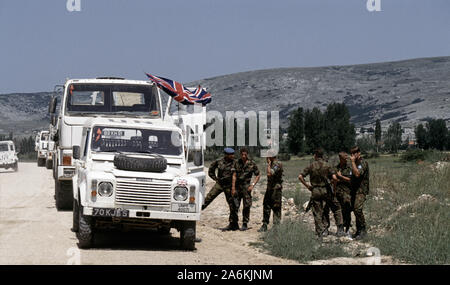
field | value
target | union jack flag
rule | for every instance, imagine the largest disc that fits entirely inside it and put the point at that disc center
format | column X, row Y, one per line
column 184, row 95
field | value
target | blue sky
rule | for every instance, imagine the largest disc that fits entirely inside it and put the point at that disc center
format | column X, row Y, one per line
column 41, row 43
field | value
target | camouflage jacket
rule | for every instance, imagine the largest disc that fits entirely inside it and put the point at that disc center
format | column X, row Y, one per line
column 361, row 182
column 244, row 171
column 224, row 171
column 319, row 172
column 276, row 177
column 346, row 171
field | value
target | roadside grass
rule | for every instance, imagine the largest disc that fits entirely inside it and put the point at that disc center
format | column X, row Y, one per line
column 295, row 240
column 407, row 212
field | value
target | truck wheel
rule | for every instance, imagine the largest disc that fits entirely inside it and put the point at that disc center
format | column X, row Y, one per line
column 55, row 168
column 76, row 219
column 187, row 236
column 63, row 195
column 16, row 166
column 48, row 164
column 41, row 162
column 139, row 163
column 85, row 233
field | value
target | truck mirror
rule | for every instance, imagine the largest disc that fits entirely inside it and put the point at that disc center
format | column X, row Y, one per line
column 53, row 120
column 76, row 152
column 198, row 158
column 52, row 105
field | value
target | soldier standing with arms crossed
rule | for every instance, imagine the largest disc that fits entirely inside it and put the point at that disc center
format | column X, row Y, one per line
column 320, row 172
column 225, row 169
column 360, row 188
column 244, row 168
column 272, row 197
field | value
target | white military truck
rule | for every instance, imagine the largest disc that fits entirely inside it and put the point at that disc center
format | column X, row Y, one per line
column 88, row 98
column 8, row 156
column 42, row 147
column 137, row 173
column 130, row 101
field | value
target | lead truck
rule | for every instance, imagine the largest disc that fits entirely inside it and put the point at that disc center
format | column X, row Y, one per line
column 121, row 163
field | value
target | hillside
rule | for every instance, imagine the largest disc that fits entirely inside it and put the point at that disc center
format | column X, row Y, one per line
column 408, row 91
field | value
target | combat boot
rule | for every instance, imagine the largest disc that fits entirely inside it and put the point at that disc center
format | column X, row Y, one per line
column 340, row 231
column 362, row 234
column 231, row 227
column 244, row 227
column 263, row 228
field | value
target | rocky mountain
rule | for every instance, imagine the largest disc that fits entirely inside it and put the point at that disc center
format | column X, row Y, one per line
column 409, row 91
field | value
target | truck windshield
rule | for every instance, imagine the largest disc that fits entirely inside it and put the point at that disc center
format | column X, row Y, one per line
column 112, row 139
column 44, row 137
column 112, row 98
column 4, row 147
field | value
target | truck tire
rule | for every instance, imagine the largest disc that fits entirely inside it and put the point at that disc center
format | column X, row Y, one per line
column 85, row 232
column 41, row 162
column 76, row 218
column 16, row 167
column 49, row 164
column 63, row 195
column 139, row 163
column 187, row 236
column 55, row 168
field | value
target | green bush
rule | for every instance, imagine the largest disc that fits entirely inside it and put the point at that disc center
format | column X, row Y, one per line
column 294, row 240
column 418, row 154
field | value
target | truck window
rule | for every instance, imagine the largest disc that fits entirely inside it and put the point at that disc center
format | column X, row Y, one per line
column 112, row 139
column 3, row 147
column 112, row 98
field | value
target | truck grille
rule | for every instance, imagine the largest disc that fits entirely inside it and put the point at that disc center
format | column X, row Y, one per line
column 152, row 193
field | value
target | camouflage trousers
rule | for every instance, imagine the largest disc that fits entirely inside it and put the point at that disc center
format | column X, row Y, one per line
column 246, row 198
column 272, row 202
column 216, row 191
column 358, row 198
column 345, row 200
column 322, row 201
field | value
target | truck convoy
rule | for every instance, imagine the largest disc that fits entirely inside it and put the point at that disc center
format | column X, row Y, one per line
column 8, row 156
column 120, row 162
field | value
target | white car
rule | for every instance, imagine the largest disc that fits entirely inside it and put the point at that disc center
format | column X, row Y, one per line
column 8, row 155
column 136, row 173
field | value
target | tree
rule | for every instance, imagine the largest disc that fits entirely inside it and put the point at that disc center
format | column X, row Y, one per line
column 393, row 139
column 377, row 133
column 314, row 122
column 296, row 131
column 437, row 134
column 421, row 136
column 338, row 133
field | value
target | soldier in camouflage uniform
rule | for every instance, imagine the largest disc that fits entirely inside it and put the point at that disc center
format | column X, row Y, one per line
column 272, row 197
column 343, row 189
column 225, row 168
column 319, row 172
column 359, row 190
column 244, row 168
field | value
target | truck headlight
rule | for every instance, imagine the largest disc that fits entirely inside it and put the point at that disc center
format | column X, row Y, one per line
column 180, row 193
column 105, row 189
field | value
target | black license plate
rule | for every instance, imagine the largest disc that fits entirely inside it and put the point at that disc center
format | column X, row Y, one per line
column 104, row 212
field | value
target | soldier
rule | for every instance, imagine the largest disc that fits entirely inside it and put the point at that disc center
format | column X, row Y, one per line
column 319, row 172
column 359, row 189
column 343, row 189
column 272, row 197
column 245, row 168
column 225, row 167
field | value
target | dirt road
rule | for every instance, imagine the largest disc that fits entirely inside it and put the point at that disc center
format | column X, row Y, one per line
column 32, row 231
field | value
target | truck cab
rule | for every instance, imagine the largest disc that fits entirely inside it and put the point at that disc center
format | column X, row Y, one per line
column 137, row 173
column 8, row 155
column 42, row 147
column 84, row 99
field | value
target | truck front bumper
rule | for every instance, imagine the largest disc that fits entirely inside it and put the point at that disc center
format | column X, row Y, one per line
column 149, row 214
